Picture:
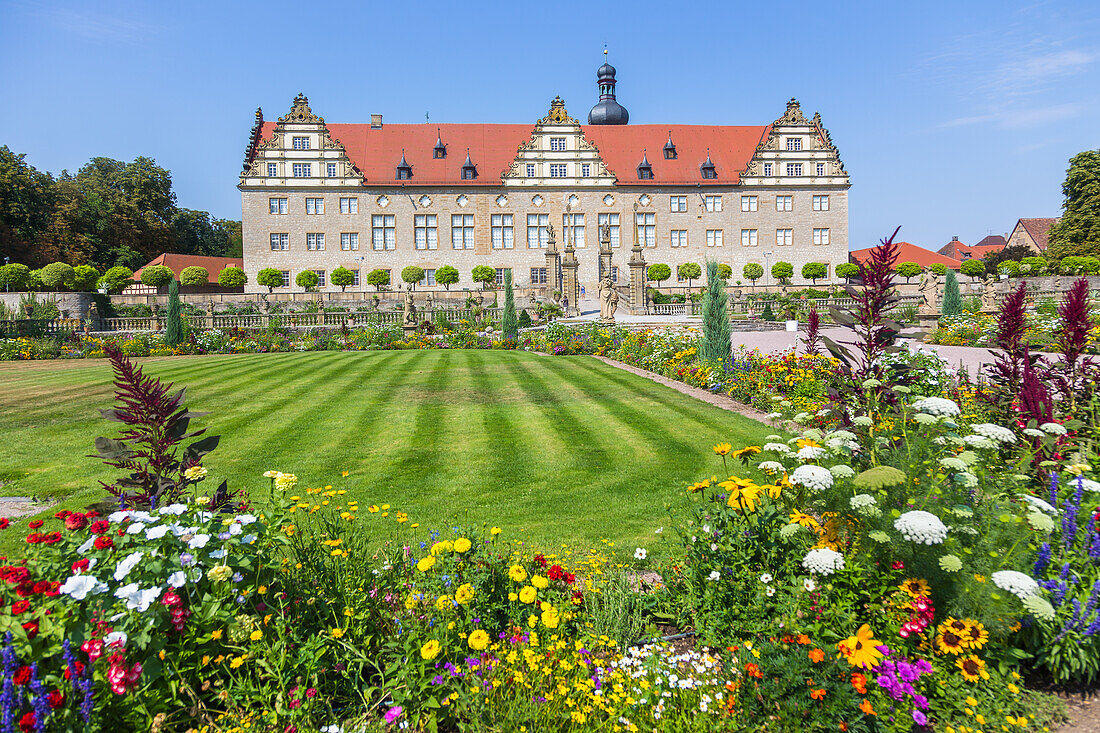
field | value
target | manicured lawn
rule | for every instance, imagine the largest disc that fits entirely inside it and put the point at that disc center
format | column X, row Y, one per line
column 567, row 449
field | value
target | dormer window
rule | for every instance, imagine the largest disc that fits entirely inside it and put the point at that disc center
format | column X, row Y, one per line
column 645, row 170
column 440, row 150
column 707, row 168
column 794, row 143
column 301, row 143
column 469, row 170
column 557, row 143
column 670, row 148
column 404, row 170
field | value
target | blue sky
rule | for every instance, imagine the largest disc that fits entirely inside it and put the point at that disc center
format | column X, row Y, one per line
column 952, row 118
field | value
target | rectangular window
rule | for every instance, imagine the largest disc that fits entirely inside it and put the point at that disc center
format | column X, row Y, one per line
column 538, row 275
column 557, row 170
column 349, row 241
column 678, row 203
column 315, row 206
column 280, row 241
column 383, row 231
column 748, row 203
column 286, row 278
column 462, row 231
column 820, row 169
column 315, row 241
column 784, row 237
column 586, row 170
column 272, row 170
column 500, row 275
column 611, row 221
column 784, row 203
column 425, row 231
column 821, row 236
column 331, row 170
column 749, row 237
column 538, row 230
column 614, row 274
column 557, row 143
column 429, row 278
column 794, row 143
column 767, row 170
column 320, row 278
column 302, row 170
column 301, row 143
column 821, row 203
column 678, row 237
column 712, row 203
column 503, row 231
column 355, row 278
column 647, row 228
column 714, row 237
column 572, row 229
column 349, row 205
column 277, row 206
column 794, row 169
column 530, row 170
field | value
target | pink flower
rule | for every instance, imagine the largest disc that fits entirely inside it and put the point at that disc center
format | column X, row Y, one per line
column 393, row 714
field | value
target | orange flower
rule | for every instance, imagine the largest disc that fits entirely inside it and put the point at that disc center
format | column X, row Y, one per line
column 818, row 694
column 843, row 726
column 816, row 655
column 859, row 682
column 753, row 671
column 866, row 709
column 803, row 639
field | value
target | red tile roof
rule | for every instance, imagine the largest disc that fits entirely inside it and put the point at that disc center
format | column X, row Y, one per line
column 493, row 147
column 1039, row 230
column 177, row 263
column 909, row 253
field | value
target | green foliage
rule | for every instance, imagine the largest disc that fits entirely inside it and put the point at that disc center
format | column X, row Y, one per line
column 14, row 276
column 195, row 276
column 173, row 327
column 342, row 277
column 753, row 272
column 34, row 280
column 814, row 271
column 1035, row 265
column 269, row 278
column 939, row 268
column 952, row 299
column 306, row 279
column 446, row 276
column 908, row 270
column 972, row 268
column 115, row 279
column 1079, row 265
column 783, row 271
column 1077, row 233
column 993, row 260
column 524, row 319
column 725, row 271
column 715, row 345
column 483, row 274
column 84, row 278
column 58, row 276
column 768, row 314
column 232, row 277
column 379, row 278
column 689, row 271
column 658, row 272
column 157, row 276
column 1009, row 267
column 847, row 270
column 509, row 326
column 412, row 274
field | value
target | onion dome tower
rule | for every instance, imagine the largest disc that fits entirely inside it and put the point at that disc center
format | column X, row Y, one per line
column 607, row 111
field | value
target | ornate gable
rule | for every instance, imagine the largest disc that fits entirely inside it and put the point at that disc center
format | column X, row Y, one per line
column 558, row 154
column 796, row 151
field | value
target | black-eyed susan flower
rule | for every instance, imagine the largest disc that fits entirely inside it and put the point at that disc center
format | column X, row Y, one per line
column 972, row 668
column 916, row 587
column 723, row 449
column 948, row 642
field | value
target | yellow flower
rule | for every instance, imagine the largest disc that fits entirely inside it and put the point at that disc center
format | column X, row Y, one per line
column 972, row 668
column 344, row 473
column 916, row 587
column 425, row 563
column 861, row 650
column 442, row 546
column 195, row 473
column 430, row 650
column 401, row 517
column 337, row 632
column 373, row 509
column 517, row 573
column 723, row 449
column 270, row 474
column 219, row 573
column 805, row 520
column 495, row 531
column 527, row 594
column 464, row 594
column 747, row 451
column 478, row 640
column 513, row 597
column 262, row 589
column 539, row 582
column 216, row 634
column 462, row 545
column 256, row 635
column 443, row 603
column 238, row 661
column 743, row 494
column 551, row 618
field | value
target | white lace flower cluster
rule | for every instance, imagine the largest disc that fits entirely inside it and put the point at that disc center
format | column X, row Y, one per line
column 859, row 501
column 1018, row 584
column 1039, row 503
column 771, row 467
column 780, row 448
column 823, row 561
column 998, row 433
column 814, row 478
column 938, row 406
column 921, row 527
column 1053, row 428
column 842, row 471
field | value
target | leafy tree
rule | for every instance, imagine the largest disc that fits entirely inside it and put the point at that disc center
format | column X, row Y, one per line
column 306, row 279
column 724, row 271
column 814, row 271
column 783, row 271
column 14, row 276
column 753, row 272
column 972, row 268
column 115, row 279
column 269, row 278
column 689, row 271
column 446, row 276
column 85, row 278
column 659, row 272
column 26, row 200
column 993, row 260
column 34, row 280
column 233, row 277
column 1035, row 265
column 715, row 346
column 157, row 276
column 195, row 276
column 1075, row 265
column 509, row 326
column 1009, row 267
column 847, row 270
column 939, row 268
column 173, row 327
column 483, row 274
column 952, row 299
column 342, row 277
column 908, row 270
column 1078, row 231
column 58, row 276
column 413, row 274
column 378, row 278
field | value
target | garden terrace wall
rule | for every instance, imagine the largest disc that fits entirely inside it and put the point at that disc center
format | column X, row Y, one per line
column 76, row 305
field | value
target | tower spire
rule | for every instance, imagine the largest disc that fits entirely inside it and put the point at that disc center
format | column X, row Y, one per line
column 607, row 111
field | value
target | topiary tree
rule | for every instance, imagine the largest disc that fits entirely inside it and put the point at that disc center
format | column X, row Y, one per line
column 847, row 270
column 783, row 272
column 1035, row 265
column 814, row 271
column 14, row 276
column 34, row 280
column 724, row 271
column 195, row 276
column 57, row 276
column 233, row 277
column 306, row 279
column 157, row 276
column 446, row 276
column 715, row 345
column 753, row 272
column 378, row 278
column 84, row 278
column 342, row 277
column 413, row 274
column 908, row 270
column 952, row 299
column 524, row 319
column 508, row 323
column 972, row 268
column 939, row 268
column 115, row 279
column 269, row 278
column 173, row 327
column 689, row 271
column 659, row 272
column 483, row 274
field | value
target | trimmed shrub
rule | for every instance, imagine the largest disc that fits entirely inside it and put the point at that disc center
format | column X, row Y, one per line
column 952, row 299
column 847, row 270
column 724, row 271
column 84, row 278
column 689, row 271
column 157, row 276
column 379, row 278
column 306, row 279
column 195, row 276
column 269, row 278
column 815, row 271
column 115, row 279
column 783, row 271
column 173, row 328
column 509, row 325
column 57, row 276
column 483, row 274
column 446, row 276
column 753, row 272
column 342, row 277
column 939, row 268
column 14, row 276
column 414, row 274
column 524, row 319
column 232, row 277
column 908, row 270
column 972, row 268
column 715, row 345
column 659, row 272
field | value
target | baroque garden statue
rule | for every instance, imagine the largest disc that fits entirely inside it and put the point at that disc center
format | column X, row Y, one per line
column 929, row 290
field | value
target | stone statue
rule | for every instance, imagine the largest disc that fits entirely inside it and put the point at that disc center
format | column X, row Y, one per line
column 989, row 293
column 428, row 302
column 609, row 299
column 929, row 290
column 605, row 236
column 614, row 305
column 1056, row 283
column 480, row 296
column 409, row 319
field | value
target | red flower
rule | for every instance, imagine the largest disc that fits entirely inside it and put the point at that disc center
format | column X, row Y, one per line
column 62, row 514
column 40, row 587
column 102, row 543
column 31, row 627
column 56, row 698
column 27, row 722
column 120, row 531
column 34, row 538
column 311, row 692
column 51, row 538
column 91, row 513
column 35, row 524
column 93, row 648
column 99, row 527
column 22, row 675
column 74, row 522
column 81, row 565
column 68, row 673
column 54, row 589
column 556, row 572
column 540, row 560
column 4, row 522
column 20, row 607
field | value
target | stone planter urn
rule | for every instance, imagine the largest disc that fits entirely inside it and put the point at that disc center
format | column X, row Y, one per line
column 28, row 309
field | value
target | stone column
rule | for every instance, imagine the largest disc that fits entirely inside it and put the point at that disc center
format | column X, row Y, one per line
column 570, row 287
column 637, row 280
column 605, row 251
column 553, row 266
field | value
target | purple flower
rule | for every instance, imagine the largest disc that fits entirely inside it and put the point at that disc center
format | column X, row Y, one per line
column 920, row 718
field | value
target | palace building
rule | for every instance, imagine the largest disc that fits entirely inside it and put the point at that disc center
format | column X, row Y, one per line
column 317, row 195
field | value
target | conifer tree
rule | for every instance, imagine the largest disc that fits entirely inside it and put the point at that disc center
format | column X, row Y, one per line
column 508, row 321
column 715, row 345
column 952, row 299
column 173, row 329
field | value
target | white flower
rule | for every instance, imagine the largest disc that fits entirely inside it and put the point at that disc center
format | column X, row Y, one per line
column 950, row 563
column 218, row 554
column 714, row 575
column 705, row 528
column 801, row 417
column 135, row 528
column 809, row 585
column 995, row 432
column 810, row 453
column 116, row 637
column 1039, row 521
column 771, row 466
column 1033, row 433
column 923, row 418
column 86, row 546
column 823, row 561
column 978, row 441
column 937, row 406
column 1016, row 583
column 155, row 533
column 127, row 564
column 953, row 463
column 195, row 473
column 248, row 539
column 246, row 519
column 174, row 509
column 204, row 516
column 142, row 516
column 640, row 553
column 1040, row 607
column 198, row 541
column 863, row 421
column 842, row 471
column 1039, row 503
column 79, row 586
column 1088, row 484
column 773, row 415
column 766, row 578
column 177, row 579
column 790, row 530
column 770, row 591
column 921, row 527
column 967, row 479
column 659, row 530
column 117, row 517
column 235, row 529
column 776, row 448
column 1053, row 428
column 814, row 478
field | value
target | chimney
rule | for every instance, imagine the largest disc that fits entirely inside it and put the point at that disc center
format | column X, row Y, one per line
column 954, row 237
column 376, row 122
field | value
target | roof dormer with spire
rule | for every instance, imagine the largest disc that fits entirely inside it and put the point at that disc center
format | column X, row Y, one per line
column 558, row 154
column 795, row 151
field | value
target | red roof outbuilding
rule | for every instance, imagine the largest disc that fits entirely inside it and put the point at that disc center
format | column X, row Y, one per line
column 177, row 263
column 909, row 253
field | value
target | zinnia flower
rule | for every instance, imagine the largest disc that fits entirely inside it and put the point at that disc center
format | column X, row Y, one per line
column 430, row 650
column 479, row 639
